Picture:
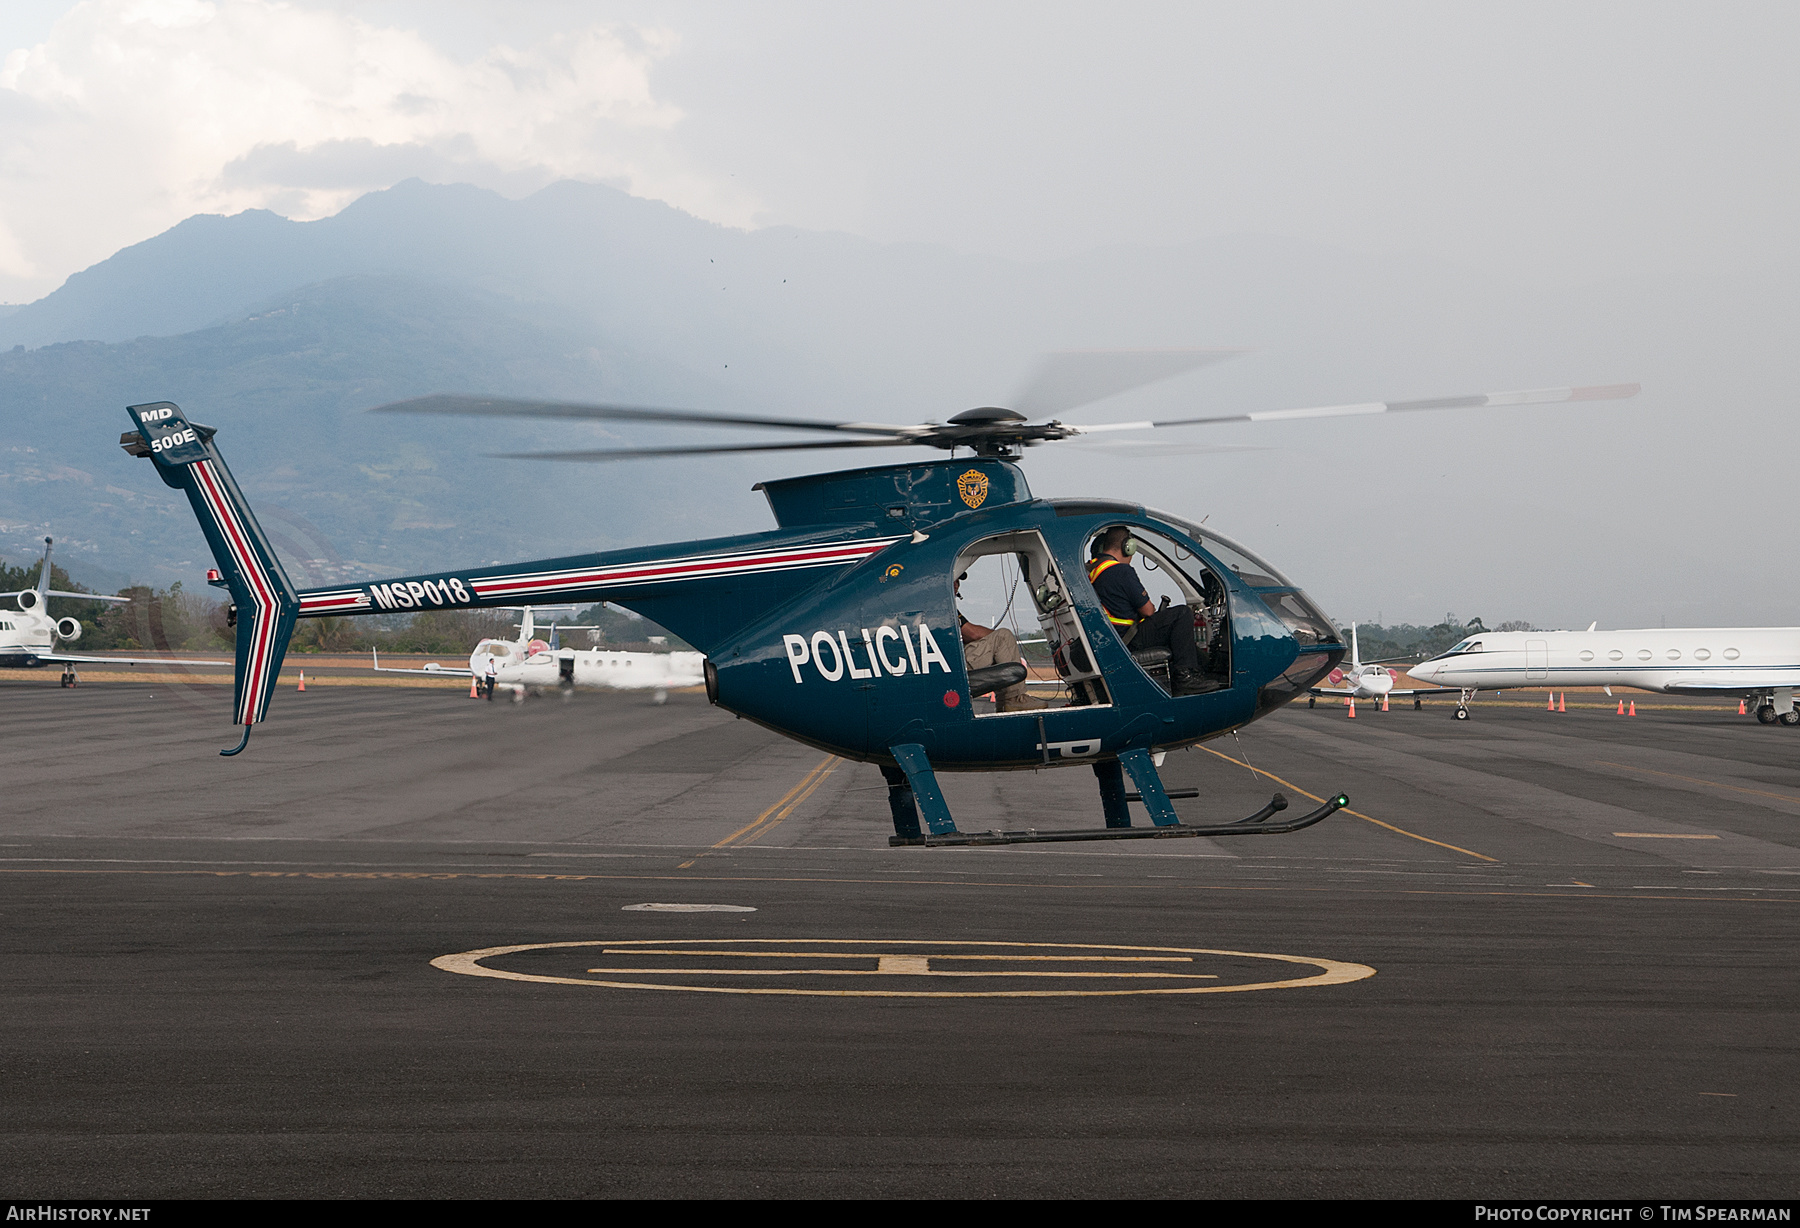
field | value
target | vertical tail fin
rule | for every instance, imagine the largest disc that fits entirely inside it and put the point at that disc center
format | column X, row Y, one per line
column 1355, row 653
column 267, row 603
column 43, row 584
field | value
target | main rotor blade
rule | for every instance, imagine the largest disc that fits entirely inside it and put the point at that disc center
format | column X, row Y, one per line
column 612, row 454
column 499, row 407
column 1075, row 378
column 1532, row 396
column 1132, row 448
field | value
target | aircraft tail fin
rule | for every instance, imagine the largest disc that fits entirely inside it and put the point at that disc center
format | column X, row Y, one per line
column 267, row 602
column 1355, row 652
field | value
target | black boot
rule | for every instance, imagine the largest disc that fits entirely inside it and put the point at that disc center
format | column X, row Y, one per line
column 1195, row 684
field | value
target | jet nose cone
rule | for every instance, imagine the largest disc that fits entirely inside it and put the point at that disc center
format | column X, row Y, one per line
column 1424, row 671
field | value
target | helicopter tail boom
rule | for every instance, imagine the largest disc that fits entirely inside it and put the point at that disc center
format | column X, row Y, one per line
column 266, row 601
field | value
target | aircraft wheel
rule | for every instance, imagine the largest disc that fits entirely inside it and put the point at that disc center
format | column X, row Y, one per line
column 1766, row 715
column 1462, row 714
column 1312, row 701
column 1790, row 718
column 1418, row 704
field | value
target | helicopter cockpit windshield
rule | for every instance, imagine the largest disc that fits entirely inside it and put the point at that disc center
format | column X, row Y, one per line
column 1304, row 620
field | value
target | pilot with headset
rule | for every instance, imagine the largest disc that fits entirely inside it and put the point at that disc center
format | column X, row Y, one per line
column 1140, row 624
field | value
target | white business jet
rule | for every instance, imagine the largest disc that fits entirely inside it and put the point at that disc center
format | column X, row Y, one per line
column 1373, row 681
column 28, row 635
column 532, row 664
column 1759, row 664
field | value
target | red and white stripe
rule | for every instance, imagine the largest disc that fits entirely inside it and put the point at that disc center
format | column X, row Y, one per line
column 350, row 599
column 263, row 591
column 537, row 584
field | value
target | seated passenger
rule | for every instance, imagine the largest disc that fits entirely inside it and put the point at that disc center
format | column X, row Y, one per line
column 985, row 646
column 1140, row 624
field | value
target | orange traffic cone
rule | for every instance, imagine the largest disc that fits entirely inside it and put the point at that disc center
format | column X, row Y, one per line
column 1352, row 704
column 1562, row 703
column 474, row 693
column 302, row 680
column 1384, row 703
column 1550, row 702
column 1742, row 711
column 1633, row 711
column 1621, row 707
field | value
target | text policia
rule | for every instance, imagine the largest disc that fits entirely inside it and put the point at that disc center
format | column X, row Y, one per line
column 881, row 649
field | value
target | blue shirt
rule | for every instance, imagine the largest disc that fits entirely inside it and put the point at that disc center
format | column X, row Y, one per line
column 1120, row 590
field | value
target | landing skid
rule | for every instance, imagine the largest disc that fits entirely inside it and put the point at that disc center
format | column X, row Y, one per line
column 1255, row 825
column 913, row 786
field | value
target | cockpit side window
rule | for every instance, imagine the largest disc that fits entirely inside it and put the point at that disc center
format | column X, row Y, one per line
column 1173, row 575
column 997, row 577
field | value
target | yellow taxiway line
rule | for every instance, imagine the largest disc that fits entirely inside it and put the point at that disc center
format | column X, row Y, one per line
column 792, row 798
column 1303, row 793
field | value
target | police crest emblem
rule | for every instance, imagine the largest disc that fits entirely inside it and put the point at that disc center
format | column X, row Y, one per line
column 973, row 487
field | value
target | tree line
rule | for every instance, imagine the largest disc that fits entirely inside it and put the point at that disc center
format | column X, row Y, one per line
column 1407, row 642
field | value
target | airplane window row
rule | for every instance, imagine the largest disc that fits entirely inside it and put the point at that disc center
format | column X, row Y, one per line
column 1674, row 654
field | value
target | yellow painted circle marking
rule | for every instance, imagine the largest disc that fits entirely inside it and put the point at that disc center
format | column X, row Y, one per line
column 1073, row 970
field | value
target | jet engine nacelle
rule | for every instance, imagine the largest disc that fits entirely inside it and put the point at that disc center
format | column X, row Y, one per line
column 68, row 629
column 28, row 600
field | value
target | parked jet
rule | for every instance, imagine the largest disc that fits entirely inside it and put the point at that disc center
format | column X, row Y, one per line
column 1760, row 664
column 529, row 663
column 1373, row 681
column 28, row 635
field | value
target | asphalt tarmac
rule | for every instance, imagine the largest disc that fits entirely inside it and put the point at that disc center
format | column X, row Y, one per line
column 1547, row 956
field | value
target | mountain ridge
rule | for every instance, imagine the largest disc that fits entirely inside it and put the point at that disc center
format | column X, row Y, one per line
column 582, row 292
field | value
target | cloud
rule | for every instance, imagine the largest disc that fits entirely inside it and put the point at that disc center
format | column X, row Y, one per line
column 133, row 114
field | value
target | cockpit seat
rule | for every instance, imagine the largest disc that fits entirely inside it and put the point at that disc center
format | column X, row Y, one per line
column 993, row 677
column 1151, row 658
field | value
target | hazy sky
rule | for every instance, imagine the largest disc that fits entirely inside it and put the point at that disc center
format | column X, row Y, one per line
column 1544, row 143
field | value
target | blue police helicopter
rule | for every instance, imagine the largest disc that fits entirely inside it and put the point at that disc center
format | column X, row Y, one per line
column 839, row 627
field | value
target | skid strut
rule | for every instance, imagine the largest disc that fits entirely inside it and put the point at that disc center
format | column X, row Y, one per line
column 1255, row 825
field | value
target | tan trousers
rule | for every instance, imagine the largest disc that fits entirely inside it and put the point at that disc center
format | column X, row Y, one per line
column 997, row 647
